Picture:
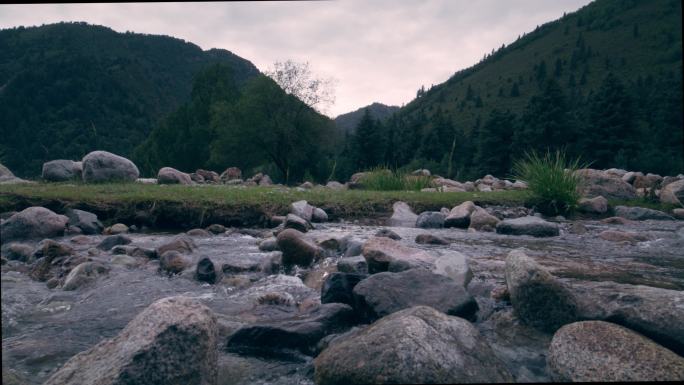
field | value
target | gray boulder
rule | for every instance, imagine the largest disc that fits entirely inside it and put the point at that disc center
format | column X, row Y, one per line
column 595, row 205
column 430, row 220
column 529, row 225
column 269, row 244
column 173, row 341
column 596, row 182
column 338, row 287
column 673, row 193
column 173, row 262
column 355, row 264
column 61, row 170
column 402, row 215
column 83, row 274
column 335, row 185
column 434, row 348
column 20, row 252
column 296, row 222
column 385, row 293
column 460, row 215
column 103, row 166
column 302, row 209
column 539, row 299
column 640, row 213
column 86, row 221
column 33, row 222
column 384, row 254
column 319, row 215
column 113, row 240
column 168, row 175
column 454, row 265
column 297, row 250
column 481, row 220
column 597, row 351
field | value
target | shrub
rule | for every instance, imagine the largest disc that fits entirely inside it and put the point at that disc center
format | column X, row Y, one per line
column 555, row 190
column 384, row 179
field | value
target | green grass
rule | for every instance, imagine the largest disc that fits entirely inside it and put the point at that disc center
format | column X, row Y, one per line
column 384, row 179
column 555, row 190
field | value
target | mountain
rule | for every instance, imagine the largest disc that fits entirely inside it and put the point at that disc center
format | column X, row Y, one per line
column 604, row 82
column 70, row 88
column 378, row 111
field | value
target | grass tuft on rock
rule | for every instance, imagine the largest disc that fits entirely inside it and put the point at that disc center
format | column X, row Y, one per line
column 552, row 180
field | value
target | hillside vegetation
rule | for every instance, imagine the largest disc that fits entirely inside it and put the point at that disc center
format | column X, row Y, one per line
column 70, row 88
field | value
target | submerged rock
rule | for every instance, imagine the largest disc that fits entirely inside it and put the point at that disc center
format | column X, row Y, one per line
column 33, row 222
column 593, row 351
column 640, row 213
column 434, row 348
column 173, row 341
column 387, row 233
column 83, row 274
column 623, row 236
column 429, row 239
column 529, row 225
column 384, row 254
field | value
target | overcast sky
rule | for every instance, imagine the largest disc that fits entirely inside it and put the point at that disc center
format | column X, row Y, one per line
column 378, row 51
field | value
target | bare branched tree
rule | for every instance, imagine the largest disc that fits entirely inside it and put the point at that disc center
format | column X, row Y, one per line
column 298, row 80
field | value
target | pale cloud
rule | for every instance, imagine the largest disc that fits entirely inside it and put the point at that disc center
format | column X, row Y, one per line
column 378, row 51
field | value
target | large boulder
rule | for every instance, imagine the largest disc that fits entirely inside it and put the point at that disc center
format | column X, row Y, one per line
column 417, row 345
column 385, row 254
column 297, row 250
column 168, row 175
column 430, row 220
column 103, row 166
column 597, row 351
column 7, row 177
column 539, row 299
column 84, row 220
column 640, row 213
column 302, row 209
column 173, row 341
column 385, row 293
column 33, row 222
column 459, row 216
column 596, row 182
column 61, row 170
column 402, row 215
column 673, row 193
column 528, row 225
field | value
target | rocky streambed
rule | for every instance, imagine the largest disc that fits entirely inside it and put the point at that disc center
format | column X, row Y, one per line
column 271, row 325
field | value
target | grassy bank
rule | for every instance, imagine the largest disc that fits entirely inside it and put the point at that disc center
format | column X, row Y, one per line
column 192, row 206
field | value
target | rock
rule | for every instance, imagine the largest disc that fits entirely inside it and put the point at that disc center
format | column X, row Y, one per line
column 102, row 166
column 429, row 239
column 622, row 236
column 384, row 254
column 355, row 264
column 307, row 185
column 168, row 175
column 454, row 265
column 300, row 332
column 173, row 341
column 616, row 221
column 402, row 215
column 236, row 182
column 577, row 228
column 596, row 182
column 208, row 176
column 207, row 271
column 385, row 293
column 173, row 262
column 539, row 299
column 640, row 213
column 460, row 215
column 678, row 213
column 629, row 177
column 18, row 252
column 297, row 250
column 125, row 260
column 198, row 233
column 529, row 225
column 319, row 215
column 117, row 228
column 33, row 222
column 61, row 170
column 421, row 172
column 616, row 172
column 146, row 180
column 302, row 209
column 231, row 173
column 430, row 220
column 484, row 188
column 338, row 287
column 387, row 233
column 434, row 348
column 113, row 240
column 269, row 244
column 265, row 181
column 180, row 244
column 83, row 274
column 447, row 182
column 597, row 351
column 52, row 249
column 86, row 221
column 481, row 220
column 293, row 221
column 596, row 205
column 673, row 193
column 216, row 228
column 519, row 185
column 353, row 248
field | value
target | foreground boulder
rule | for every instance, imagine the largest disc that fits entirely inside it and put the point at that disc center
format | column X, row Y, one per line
column 61, row 170
column 33, row 222
column 386, row 293
column 596, row 182
column 593, row 351
column 673, row 193
column 539, row 299
column 173, row 341
column 385, row 254
column 103, row 166
column 417, row 345
column 402, row 215
column 297, row 250
column 641, row 213
column 168, row 175
column 529, row 225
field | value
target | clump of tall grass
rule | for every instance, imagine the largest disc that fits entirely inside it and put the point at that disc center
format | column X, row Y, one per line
column 384, row 179
column 552, row 180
